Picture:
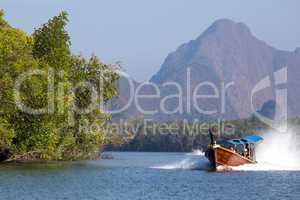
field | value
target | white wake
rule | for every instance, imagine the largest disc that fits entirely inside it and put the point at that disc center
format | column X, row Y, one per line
column 279, row 151
column 193, row 161
column 196, row 152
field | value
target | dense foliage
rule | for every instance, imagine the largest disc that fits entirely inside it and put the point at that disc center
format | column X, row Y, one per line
column 55, row 134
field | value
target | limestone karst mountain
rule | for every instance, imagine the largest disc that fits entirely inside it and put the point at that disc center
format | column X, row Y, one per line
column 226, row 61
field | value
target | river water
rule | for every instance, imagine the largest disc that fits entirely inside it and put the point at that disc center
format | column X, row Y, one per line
column 131, row 176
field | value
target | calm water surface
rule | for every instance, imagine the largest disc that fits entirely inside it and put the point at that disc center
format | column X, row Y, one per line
column 148, row 176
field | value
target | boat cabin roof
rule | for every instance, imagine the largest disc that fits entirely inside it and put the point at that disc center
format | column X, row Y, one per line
column 251, row 139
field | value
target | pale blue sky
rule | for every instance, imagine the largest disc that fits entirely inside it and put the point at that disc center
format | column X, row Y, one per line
column 141, row 33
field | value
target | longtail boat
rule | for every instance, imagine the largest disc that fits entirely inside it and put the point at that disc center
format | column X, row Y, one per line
column 231, row 153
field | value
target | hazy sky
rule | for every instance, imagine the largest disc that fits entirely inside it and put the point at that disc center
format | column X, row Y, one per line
column 141, row 33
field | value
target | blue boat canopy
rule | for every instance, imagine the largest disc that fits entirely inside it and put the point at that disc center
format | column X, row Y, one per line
column 254, row 138
column 251, row 139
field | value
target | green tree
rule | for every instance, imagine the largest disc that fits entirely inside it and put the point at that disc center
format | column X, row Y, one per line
column 52, row 42
column 50, row 135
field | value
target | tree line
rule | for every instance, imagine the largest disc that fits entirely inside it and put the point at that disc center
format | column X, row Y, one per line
column 187, row 136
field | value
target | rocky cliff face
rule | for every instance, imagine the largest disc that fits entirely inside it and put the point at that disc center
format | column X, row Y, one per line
column 226, row 63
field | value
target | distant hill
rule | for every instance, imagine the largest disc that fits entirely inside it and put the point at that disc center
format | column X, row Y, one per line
column 226, row 52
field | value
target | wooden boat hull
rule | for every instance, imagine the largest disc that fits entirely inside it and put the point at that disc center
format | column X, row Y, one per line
column 222, row 158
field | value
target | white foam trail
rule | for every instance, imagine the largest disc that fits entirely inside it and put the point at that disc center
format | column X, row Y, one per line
column 199, row 163
column 278, row 151
column 193, row 160
column 184, row 164
column 196, row 152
